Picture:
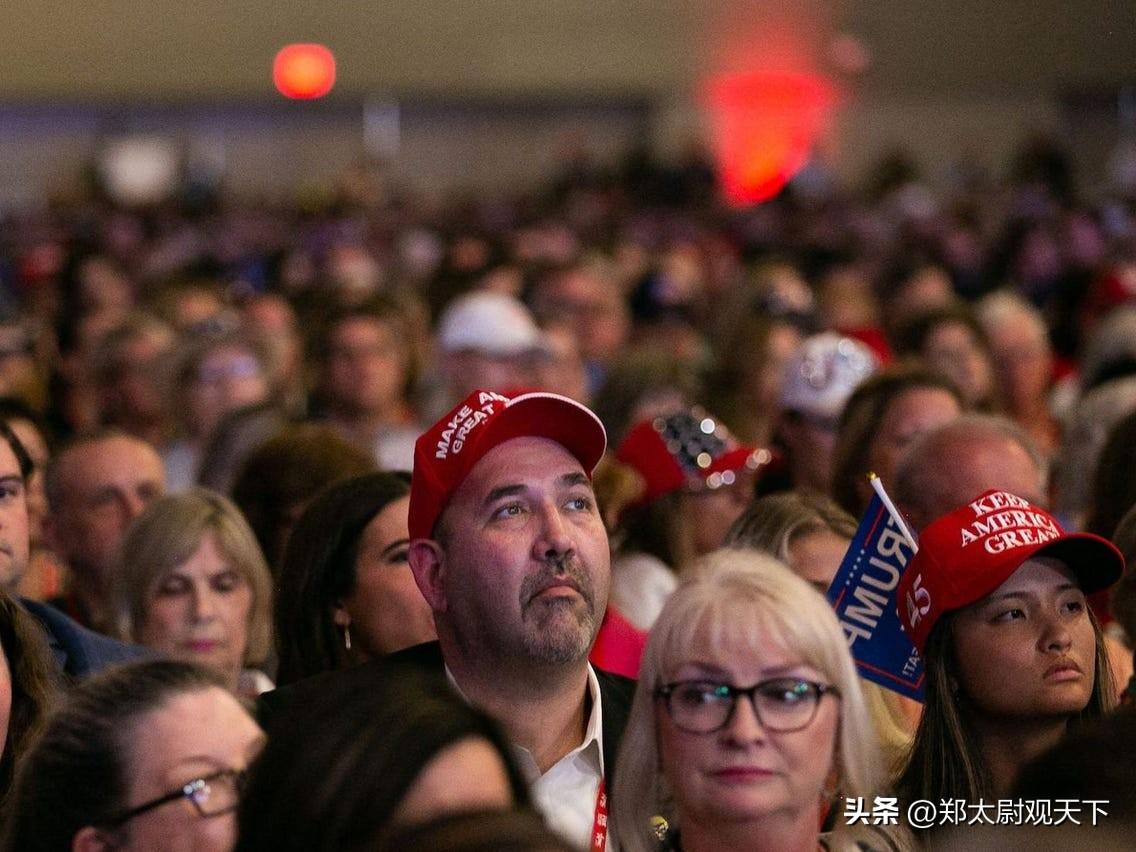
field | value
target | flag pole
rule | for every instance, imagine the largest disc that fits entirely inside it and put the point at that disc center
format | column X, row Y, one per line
column 878, row 487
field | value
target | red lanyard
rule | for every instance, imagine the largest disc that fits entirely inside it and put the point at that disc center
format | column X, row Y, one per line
column 599, row 822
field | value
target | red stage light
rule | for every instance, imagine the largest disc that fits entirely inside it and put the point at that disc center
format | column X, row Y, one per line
column 304, row 71
column 764, row 126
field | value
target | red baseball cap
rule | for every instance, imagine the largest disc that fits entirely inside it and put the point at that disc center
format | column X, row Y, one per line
column 446, row 453
column 966, row 554
column 687, row 449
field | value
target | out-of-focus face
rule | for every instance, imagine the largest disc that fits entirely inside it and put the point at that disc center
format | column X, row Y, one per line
column 709, row 514
column 193, row 735
column 199, row 611
column 484, row 784
column 228, row 378
column 470, row 370
column 953, row 350
column 105, row 485
column 816, row 556
column 133, row 393
column 1023, row 363
column 559, row 368
column 385, row 612
column 13, row 519
column 810, row 440
column 744, row 772
column 595, row 309
column 767, row 379
column 527, row 565
column 1027, row 651
column 366, row 365
column 910, row 414
column 34, row 443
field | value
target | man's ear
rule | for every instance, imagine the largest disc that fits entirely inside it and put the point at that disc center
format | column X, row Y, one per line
column 91, row 839
column 428, row 564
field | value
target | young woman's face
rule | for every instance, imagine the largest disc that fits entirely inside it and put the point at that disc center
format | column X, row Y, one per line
column 385, row 612
column 744, row 771
column 1027, row 650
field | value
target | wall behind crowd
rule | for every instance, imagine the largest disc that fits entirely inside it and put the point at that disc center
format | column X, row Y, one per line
column 507, row 85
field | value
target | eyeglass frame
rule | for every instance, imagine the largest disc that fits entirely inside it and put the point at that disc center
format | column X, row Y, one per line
column 820, row 689
column 187, row 791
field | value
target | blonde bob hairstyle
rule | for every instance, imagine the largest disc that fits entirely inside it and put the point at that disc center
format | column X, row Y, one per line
column 736, row 602
column 167, row 534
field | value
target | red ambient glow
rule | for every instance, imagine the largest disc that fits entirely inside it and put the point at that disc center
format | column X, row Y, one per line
column 764, row 126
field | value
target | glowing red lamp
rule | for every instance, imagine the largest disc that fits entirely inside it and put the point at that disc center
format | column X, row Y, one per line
column 763, row 127
column 303, row 71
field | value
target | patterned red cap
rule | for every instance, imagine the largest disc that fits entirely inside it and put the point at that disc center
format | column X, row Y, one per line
column 688, row 449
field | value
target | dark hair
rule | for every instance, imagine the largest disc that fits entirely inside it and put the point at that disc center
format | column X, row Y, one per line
column 15, row 408
column 318, row 571
column 945, row 761
column 75, row 773
column 1113, row 486
column 860, row 422
column 479, row 831
column 288, row 470
column 655, row 528
column 24, row 460
column 336, row 768
column 34, row 683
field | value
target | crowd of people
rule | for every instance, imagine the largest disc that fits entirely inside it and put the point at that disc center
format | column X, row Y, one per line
column 388, row 523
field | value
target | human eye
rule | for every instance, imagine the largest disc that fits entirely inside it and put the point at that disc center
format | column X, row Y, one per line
column 1074, row 603
column 11, row 489
column 694, row 694
column 580, row 503
column 1009, row 614
column 173, row 585
column 397, row 557
column 508, row 510
column 227, row 581
column 787, row 692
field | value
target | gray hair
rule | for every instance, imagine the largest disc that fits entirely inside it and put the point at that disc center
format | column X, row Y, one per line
column 168, row 533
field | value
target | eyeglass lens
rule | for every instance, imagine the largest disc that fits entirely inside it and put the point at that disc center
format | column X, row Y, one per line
column 781, row 705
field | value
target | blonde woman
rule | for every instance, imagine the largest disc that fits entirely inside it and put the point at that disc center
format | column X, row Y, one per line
column 811, row 534
column 748, row 718
column 193, row 585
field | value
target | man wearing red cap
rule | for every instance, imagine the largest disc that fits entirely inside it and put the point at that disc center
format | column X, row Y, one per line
column 510, row 551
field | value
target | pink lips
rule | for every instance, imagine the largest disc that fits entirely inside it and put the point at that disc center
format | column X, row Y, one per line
column 202, row 646
column 1064, row 670
column 558, row 589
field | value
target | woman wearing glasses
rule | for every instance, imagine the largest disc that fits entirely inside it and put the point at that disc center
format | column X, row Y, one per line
column 748, row 716
column 146, row 756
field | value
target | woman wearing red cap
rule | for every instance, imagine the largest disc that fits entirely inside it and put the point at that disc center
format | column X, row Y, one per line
column 694, row 481
column 995, row 602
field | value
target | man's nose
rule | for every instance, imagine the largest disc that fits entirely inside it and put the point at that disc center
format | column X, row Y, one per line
column 554, row 539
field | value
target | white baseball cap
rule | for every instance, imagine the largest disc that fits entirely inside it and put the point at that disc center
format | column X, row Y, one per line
column 823, row 373
column 484, row 321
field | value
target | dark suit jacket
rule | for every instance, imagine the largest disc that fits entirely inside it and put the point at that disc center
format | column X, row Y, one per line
column 80, row 651
column 616, row 692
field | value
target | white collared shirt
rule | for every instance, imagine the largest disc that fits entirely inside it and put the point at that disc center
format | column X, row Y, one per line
column 566, row 793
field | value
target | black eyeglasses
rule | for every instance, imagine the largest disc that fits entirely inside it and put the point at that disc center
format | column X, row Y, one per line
column 782, row 705
column 211, row 795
